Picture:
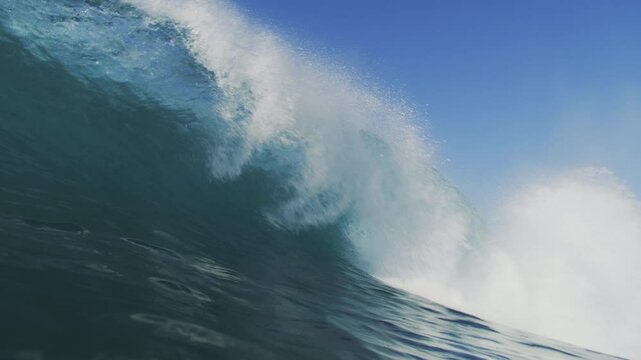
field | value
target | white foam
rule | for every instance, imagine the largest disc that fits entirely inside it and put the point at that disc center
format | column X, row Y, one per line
column 566, row 262
column 562, row 261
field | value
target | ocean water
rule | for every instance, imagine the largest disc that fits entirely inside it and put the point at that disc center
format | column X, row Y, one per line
column 176, row 182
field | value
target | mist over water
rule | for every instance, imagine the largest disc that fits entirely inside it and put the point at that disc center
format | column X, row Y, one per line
column 559, row 259
column 316, row 149
column 564, row 262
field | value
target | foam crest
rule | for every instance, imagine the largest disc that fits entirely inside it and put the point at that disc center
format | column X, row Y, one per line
column 353, row 152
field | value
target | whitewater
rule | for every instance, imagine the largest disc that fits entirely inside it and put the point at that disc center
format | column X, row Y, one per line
column 279, row 188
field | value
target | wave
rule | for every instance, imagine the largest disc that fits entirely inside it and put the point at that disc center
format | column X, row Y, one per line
column 313, row 147
column 338, row 149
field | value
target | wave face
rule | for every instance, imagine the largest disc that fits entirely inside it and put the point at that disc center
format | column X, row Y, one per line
column 178, row 182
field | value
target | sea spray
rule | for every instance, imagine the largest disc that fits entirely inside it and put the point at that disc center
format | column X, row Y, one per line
column 362, row 154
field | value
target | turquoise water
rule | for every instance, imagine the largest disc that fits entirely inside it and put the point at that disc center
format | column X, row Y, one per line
column 140, row 220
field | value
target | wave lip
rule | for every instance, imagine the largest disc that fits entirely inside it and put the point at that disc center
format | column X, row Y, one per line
column 340, row 149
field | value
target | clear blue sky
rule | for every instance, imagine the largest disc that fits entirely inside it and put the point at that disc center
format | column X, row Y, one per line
column 512, row 87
